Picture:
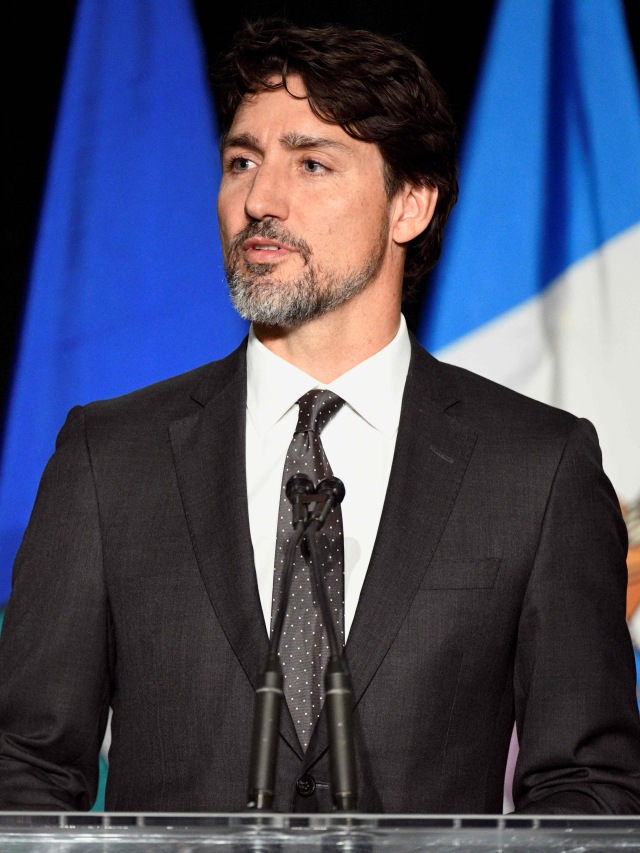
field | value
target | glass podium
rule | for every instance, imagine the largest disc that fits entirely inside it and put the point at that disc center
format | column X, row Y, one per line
column 48, row 832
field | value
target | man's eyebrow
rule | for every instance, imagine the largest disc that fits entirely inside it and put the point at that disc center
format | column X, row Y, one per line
column 292, row 141
column 301, row 140
column 240, row 140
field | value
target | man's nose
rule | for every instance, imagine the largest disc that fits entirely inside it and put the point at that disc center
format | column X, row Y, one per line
column 267, row 196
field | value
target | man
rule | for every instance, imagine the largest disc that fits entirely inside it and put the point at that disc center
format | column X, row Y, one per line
column 484, row 553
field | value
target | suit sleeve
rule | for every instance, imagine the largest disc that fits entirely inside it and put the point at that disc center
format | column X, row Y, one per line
column 55, row 649
column 576, row 712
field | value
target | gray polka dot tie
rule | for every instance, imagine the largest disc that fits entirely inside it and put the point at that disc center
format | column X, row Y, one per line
column 304, row 647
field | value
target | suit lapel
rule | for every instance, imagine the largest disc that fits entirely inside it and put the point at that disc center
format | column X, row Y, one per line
column 431, row 456
column 209, row 455
column 210, row 460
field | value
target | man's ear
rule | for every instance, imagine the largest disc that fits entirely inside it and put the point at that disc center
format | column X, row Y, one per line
column 415, row 205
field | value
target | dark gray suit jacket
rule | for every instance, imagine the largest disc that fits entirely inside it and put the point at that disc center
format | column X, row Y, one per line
column 495, row 591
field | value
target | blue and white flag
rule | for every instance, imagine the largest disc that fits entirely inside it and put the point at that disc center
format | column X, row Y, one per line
column 539, row 283
column 127, row 285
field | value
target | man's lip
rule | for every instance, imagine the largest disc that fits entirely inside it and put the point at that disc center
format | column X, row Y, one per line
column 260, row 243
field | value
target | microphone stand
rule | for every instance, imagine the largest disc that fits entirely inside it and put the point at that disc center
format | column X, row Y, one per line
column 338, row 696
column 270, row 692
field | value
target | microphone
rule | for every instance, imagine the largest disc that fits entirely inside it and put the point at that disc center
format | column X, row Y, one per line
column 301, row 493
column 330, row 493
column 298, row 486
column 270, row 690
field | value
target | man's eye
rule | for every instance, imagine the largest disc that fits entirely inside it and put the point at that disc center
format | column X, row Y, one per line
column 313, row 167
column 241, row 164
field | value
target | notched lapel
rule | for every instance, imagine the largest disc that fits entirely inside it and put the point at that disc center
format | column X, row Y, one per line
column 209, row 454
column 210, row 459
column 431, row 457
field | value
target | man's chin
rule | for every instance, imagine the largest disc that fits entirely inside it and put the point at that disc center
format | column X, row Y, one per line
column 284, row 316
column 265, row 301
column 268, row 302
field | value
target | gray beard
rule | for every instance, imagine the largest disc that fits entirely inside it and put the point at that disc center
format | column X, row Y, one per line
column 259, row 298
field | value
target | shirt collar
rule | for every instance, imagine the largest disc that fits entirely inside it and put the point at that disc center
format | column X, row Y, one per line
column 373, row 388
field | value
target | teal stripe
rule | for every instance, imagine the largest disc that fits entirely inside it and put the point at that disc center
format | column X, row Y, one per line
column 98, row 806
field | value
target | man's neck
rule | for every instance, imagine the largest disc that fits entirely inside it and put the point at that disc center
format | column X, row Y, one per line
column 328, row 346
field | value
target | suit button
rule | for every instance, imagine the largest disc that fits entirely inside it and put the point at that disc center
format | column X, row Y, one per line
column 306, row 785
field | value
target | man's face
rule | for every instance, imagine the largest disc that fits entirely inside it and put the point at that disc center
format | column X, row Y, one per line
column 303, row 212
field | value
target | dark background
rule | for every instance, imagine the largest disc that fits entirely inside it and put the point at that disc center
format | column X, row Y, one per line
column 449, row 34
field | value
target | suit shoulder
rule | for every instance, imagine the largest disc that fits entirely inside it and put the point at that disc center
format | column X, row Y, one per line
column 498, row 408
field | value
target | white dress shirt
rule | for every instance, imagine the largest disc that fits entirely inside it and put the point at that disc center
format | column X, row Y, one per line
column 359, row 443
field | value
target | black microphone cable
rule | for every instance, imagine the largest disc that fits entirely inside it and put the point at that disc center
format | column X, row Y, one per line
column 270, row 689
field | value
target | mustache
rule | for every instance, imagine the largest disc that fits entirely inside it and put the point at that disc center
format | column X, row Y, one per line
column 269, row 230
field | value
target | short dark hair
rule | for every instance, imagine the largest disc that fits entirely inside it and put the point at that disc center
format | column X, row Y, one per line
column 375, row 88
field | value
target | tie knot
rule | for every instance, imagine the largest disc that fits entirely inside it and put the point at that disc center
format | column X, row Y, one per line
column 317, row 407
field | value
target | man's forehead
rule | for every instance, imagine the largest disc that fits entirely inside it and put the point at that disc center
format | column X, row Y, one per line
column 270, row 104
column 286, row 115
column 292, row 140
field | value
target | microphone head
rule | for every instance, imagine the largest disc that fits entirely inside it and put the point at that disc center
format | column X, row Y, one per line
column 332, row 486
column 297, row 485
